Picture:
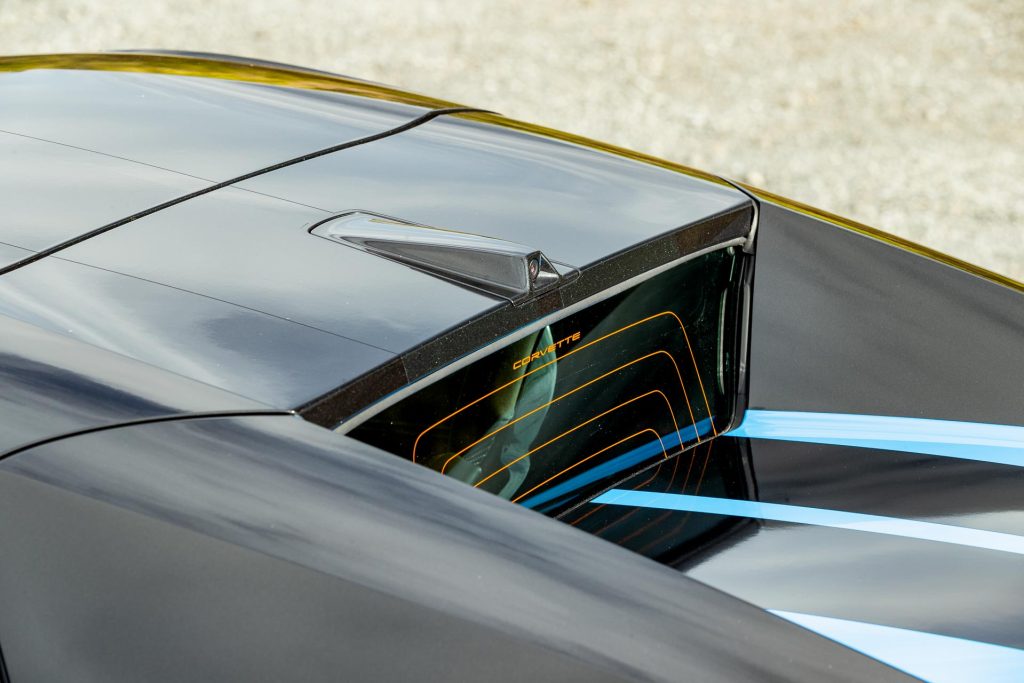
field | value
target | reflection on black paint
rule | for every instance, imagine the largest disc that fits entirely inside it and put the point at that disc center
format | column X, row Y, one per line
column 716, row 468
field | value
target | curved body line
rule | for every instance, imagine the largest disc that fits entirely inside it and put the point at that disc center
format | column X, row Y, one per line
column 61, row 246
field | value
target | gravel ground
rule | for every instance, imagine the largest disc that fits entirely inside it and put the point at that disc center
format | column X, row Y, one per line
column 904, row 115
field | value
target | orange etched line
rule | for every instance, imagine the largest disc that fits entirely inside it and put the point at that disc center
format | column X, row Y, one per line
column 635, row 488
column 633, row 535
column 707, row 459
column 616, row 522
column 689, row 468
column 639, row 486
column 580, row 462
column 541, row 367
column 696, row 370
column 658, row 520
column 675, row 471
column 570, row 431
column 626, row 516
column 686, row 518
column 654, row 474
column 592, row 511
column 573, row 391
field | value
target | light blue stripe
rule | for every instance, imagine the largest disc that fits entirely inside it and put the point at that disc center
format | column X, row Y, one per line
column 931, row 657
column 876, row 524
column 615, row 465
column 1001, row 444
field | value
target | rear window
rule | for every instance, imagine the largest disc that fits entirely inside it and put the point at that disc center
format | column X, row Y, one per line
column 562, row 412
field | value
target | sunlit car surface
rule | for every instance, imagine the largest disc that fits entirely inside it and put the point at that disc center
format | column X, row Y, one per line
column 309, row 378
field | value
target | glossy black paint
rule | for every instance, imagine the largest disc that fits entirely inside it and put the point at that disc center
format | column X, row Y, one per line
column 211, row 129
column 11, row 254
column 845, row 323
column 270, row 359
column 52, row 192
column 188, row 606
column 277, row 330
column 553, row 192
column 85, row 149
column 922, row 585
column 396, row 552
column 576, row 204
column 190, row 520
column 933, row 587
column 255, row 251
column 53, row 386
column 969, row 493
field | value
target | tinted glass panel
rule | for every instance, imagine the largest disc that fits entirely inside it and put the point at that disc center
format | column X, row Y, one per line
column 718, row 468
column 560, row 414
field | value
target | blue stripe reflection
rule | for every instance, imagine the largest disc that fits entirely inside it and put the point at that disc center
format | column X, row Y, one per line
column 876, row 524
column 930, row 657
column 1000, row 444
column 615, row 465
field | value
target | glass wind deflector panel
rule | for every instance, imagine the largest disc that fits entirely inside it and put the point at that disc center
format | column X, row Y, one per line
column 561, row 413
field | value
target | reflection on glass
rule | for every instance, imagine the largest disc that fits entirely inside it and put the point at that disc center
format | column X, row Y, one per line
column 561, row 413
column 716, row 468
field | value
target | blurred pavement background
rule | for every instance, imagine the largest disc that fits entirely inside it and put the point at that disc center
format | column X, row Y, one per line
column 908, row 116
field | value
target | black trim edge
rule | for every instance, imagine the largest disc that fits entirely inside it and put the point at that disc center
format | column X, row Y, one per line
column 147, row 420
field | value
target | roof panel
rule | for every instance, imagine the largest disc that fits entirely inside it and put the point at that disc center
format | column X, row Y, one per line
column 51, row 193
column 576, row 203
column 11, row 254
column 215, row 129
column 275, row 361
column 53, row 385
column 257, row 252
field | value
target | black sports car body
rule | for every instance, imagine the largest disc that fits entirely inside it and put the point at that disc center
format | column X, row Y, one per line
column 308, row 378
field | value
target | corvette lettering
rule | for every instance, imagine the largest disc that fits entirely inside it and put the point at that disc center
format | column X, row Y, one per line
column 526, row 360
